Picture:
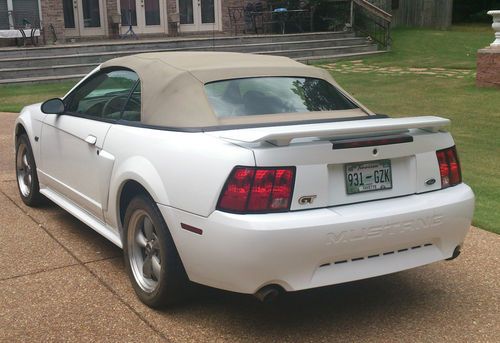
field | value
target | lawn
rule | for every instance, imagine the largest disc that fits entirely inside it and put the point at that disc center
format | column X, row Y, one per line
column 427, row 72
column 475, row 112
column 14, row 97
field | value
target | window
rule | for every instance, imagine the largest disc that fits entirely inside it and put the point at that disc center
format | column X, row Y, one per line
column 272, row 95
column 108, row 95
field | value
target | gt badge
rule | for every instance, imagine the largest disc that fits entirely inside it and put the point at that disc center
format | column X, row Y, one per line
column 307, row 199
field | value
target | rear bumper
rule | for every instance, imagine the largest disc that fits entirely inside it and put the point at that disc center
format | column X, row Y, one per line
column 313, row 248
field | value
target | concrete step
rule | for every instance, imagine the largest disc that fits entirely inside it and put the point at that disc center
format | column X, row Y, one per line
column 167, row 43
column 75, row 60
column 329, row 51
column 280, row 49
column 87, row 58
column 329, row 58
column 305, row 59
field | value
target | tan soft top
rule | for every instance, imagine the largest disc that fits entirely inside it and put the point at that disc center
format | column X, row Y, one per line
column 172, row 83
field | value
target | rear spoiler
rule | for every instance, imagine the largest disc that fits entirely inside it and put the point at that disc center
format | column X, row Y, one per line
column 283, row 135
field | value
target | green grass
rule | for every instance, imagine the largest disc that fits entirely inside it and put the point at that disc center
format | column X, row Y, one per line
column 455, row 48
column 14, row 97
column 474, row 111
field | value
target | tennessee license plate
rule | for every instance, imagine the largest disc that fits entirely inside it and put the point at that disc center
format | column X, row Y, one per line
column 368, row 176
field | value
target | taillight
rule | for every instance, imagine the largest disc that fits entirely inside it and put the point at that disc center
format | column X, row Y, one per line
column 258, row 190
column 449, row 167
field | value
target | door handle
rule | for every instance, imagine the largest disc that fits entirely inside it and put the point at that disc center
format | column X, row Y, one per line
column 91, row 139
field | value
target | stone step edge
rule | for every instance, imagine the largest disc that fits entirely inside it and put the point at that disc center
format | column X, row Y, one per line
column 337, row 57
column 105, row 53
column 270, row 52
column 79, row 76
column 178, row 39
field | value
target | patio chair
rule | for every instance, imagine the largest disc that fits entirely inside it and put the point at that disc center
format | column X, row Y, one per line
column 28, row 24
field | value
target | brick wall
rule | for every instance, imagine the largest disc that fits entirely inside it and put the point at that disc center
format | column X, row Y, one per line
column 226, row 26
column 110, row 11
column 111, row 7
column 171, row 7
column 226, row 23
column 488, row 68
column 52, row 13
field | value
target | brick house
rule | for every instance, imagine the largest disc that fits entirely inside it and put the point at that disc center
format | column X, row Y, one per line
column 95, row 19
column 87, row 19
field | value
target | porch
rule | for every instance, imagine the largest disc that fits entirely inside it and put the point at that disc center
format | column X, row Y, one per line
column 357, row 29
column 72, row 61
column 62, row 21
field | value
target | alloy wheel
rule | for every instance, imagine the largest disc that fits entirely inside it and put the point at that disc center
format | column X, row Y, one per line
column 144, row 251
column 24, row 170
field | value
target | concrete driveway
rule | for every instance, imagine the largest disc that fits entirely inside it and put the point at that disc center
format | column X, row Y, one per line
column 61, row 281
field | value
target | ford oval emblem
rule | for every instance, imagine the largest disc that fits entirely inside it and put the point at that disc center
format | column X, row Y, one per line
column 430, row 182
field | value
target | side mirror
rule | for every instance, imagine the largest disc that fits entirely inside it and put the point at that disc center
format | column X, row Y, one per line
column 53, row 106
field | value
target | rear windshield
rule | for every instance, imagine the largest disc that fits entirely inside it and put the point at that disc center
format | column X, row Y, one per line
column 271, row 95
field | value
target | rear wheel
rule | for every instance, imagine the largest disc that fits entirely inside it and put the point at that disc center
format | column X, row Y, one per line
column 27, row 178
column 151, row 258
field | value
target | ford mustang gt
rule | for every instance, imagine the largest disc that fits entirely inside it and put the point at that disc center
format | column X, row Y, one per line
column 254, row 174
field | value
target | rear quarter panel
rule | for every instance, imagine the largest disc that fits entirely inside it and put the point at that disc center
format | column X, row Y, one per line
column 179, row 169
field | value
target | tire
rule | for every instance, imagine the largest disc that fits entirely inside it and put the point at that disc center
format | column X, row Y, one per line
column 26, row 175
column 151, row 258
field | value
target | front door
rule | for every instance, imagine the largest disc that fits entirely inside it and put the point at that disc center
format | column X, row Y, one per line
column 73, row 161
column 71, row 164
column 84, row 18
column 199, row 15
column 146, row 16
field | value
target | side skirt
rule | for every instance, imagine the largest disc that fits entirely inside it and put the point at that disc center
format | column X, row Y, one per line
column 96, row 224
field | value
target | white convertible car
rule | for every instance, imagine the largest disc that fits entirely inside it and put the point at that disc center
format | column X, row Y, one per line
column 254, row 174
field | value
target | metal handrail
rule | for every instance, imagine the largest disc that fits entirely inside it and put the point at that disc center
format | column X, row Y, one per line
column 372, row 21
column 377, row 11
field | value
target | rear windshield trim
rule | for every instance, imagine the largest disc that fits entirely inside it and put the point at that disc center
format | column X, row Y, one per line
column 246, row 126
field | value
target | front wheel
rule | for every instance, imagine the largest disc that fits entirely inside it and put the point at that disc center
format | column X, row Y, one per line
column 151, row 258
column 26, row 175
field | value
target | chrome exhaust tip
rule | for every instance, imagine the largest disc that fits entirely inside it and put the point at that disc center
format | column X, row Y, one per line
column 456, row 253
column 269, row 293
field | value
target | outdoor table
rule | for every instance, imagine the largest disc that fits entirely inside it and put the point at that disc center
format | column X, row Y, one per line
column 24, row 33
column 283, row 16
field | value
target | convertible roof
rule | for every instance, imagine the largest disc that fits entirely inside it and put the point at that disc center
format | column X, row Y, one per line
column 172, row 89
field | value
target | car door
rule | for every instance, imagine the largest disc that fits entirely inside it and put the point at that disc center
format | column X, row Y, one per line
column 73, row 162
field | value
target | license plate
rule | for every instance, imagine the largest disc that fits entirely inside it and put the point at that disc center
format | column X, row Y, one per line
column 368, row 176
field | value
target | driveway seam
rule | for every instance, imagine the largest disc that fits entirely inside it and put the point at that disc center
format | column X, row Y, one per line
column 39, row 272
column 80, row 262
column 101, row 259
